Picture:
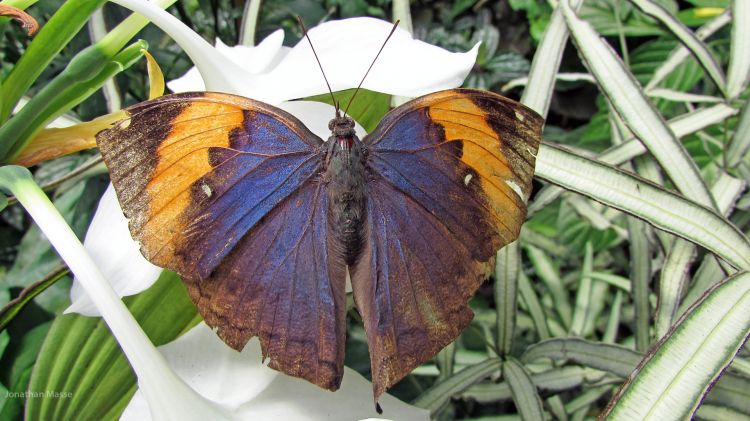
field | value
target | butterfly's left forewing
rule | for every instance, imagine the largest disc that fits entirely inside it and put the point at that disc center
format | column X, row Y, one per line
column 227, row 192
column 449, row 176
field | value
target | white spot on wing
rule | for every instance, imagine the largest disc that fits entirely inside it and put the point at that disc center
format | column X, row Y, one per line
column 516, row 188
column 467, row 179
column 519, row 116
column 206, row 189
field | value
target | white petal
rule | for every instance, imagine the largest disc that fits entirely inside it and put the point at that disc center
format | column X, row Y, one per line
column 316, row 115
column 406, row 67
column 346, row 48
column 262, row 57
column 290, row 398
column 218, row 73
column 110, row 245
column 191, row 81
column 212, row 369
column 255, row 59
column 241, row 381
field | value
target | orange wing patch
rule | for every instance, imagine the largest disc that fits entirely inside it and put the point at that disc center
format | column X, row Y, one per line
column 183, row 158
column 156, row 156
column 483, row 150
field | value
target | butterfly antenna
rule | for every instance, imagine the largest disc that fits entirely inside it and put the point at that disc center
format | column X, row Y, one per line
column 304, row 31
column 395, row 25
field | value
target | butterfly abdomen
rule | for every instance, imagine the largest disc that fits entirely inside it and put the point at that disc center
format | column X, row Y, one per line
column 346, row 192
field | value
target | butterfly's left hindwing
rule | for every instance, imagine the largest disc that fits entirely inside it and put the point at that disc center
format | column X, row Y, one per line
column 449, row 174
column 226, row 191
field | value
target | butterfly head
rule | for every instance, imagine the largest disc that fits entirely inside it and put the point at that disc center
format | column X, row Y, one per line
column 341, row 126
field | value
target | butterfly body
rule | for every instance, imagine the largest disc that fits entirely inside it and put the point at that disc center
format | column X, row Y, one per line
column 345, row 184
column 261, row 218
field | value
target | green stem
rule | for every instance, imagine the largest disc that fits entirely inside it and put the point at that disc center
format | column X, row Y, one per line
column 249, row 23
column 402, row 13
column 53, row 36
column 621, row 35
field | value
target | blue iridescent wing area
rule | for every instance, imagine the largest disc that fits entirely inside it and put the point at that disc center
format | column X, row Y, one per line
column 227, row 192
column 449, row 174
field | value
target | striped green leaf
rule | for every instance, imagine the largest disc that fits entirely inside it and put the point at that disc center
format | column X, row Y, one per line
column 525, row 396
column 541, row 83
column 659, row 207
column 687, row 38
column 673, row 379
column 434, row 398
column 633, row 106
column 739, row 59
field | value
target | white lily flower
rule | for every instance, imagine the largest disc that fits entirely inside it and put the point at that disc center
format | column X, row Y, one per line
column 255, row 60
column 406, row 67
column 239, row 380
column 110, row 245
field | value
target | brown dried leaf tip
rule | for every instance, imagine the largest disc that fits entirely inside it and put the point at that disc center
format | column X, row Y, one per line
column 27, row 21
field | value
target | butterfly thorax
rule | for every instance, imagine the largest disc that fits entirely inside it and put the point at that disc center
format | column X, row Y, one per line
column 345, row 175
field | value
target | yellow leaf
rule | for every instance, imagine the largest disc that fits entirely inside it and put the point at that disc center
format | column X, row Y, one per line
column 54, row 143
column 155, row 77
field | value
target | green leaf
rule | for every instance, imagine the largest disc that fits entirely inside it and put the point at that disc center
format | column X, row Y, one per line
column 367, row 109
column 709, row 3
column 687, row 38
column 434, row 398
column 672, row 283
column 578, row 232
column 507, row 267
column 731, row 391
column 648, row 201
column 602, row 15
column 17, row 363
column 718, row 413
column 85, row 74
column 80, row 355
column 36, row 259
column 555, row 380
column 648, row 64
column 612, row 358
column 546, row 63
column 680, row 52
column 52, row 37
column 738, row 73
column 583, row 294
column 632, row 148
column 637, row 112
column 740, row 142
column 550, row 276
column 525, row 396
column 9, row 311
column 640, row 275
column 674, row 377
column 534, row 307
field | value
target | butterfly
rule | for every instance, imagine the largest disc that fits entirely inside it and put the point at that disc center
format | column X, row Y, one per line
column 262, row 219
